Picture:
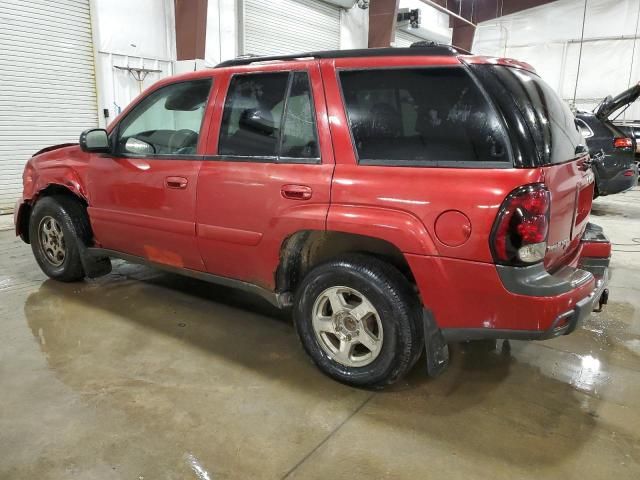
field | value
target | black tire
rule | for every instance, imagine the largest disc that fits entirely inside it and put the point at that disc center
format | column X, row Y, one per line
column 398, row 309
column 71, row 216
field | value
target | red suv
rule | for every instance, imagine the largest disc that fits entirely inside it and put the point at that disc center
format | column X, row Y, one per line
column 395, row 199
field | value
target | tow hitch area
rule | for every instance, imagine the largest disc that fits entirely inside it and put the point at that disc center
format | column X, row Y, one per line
column 604, row 298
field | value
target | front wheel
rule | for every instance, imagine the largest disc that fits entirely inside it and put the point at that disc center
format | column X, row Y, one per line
column 359, row 321
column 56, row 227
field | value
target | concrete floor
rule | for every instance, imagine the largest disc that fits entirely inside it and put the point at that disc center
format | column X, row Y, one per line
column 145, row 375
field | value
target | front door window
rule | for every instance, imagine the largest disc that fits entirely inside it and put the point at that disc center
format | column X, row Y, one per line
column 167, row 122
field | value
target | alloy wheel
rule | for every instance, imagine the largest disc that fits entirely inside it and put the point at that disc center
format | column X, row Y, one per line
column 52, row 241
column 347, row 326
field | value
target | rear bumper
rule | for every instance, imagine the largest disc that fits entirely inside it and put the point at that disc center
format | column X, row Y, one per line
column 621, row 182
column 475, row 301
column 567, row 322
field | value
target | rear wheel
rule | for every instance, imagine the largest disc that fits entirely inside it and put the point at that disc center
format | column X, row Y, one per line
column 56, row 227
column 359, row 320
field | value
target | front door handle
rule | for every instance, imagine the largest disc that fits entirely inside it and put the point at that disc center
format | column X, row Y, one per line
column 296, row 192
column 176, row 182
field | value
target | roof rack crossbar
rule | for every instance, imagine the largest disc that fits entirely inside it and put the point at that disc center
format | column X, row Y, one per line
column 417, row 49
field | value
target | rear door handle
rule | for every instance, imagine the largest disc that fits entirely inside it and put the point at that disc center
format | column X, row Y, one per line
column 176, row 182
column 296, row 192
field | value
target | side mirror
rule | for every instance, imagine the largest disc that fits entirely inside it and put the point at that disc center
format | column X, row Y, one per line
column 139, row 147
column 94, row 140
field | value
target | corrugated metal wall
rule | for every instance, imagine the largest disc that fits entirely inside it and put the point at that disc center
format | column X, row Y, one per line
column 289, row 26
column 47, row 82
column 405, row 39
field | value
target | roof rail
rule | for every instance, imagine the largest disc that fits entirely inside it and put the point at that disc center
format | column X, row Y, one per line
column 417, row 49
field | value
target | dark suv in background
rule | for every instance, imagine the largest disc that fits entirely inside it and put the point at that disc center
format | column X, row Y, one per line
column 612, row 147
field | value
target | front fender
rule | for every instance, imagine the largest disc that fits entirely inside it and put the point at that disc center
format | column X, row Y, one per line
column 62, row 176
column 399, row 228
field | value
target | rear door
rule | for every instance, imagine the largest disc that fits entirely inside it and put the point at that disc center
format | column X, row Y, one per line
column 268, row 169
column 556, row 145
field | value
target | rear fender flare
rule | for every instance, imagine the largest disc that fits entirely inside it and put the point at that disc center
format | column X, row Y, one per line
column 402, row 229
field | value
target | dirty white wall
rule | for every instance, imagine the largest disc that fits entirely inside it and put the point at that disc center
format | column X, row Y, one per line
column 354, row 28
column 126, row 33
column 434, row 25
column 548, row 37
column 222, row 31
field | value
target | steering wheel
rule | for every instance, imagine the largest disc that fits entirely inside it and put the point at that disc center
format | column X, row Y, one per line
column 182, row 139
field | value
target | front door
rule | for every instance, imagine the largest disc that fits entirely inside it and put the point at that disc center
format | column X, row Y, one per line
column 143, row 195
column 270, row 173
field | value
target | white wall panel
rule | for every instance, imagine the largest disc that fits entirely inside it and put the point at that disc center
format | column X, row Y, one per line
column 134, row 27
column 222, row 31
column 47, row 82
column 548, row 37
column 130, row 33
column 120, row 87
column 434, row 25
column 354, row 28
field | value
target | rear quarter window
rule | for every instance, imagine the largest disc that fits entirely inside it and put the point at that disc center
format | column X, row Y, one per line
column 433, row 116
column 548, row 121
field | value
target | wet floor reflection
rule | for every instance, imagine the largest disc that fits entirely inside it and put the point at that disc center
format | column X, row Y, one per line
column 515, row 402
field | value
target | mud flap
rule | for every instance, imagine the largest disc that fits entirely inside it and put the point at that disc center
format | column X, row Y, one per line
column 436, row 348
column 94, row 266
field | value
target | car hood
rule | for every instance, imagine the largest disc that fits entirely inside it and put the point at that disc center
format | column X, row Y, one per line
column 611, row 104
column 53, row 147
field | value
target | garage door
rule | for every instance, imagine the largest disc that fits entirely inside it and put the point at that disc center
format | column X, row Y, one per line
column 289, row 26
column 405, row 39
column 47, row 84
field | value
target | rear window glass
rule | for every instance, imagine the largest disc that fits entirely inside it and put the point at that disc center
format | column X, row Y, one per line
column 421, row 116
column 549, row 121
column 252, row 115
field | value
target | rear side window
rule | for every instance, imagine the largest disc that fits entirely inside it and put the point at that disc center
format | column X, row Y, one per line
column 421, row 116
column 252, row 115
column 269, row 115
column 299, row 130
column 545, row 117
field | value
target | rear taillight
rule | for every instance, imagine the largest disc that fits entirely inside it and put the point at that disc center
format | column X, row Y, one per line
column 519, row 235
column 622, row 142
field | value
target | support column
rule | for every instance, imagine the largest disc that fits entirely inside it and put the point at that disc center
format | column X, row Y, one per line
column 191, row 29
column 382, row 22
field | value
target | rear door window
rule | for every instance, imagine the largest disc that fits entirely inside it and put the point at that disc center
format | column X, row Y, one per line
column 252, row 115
column 422, row 117
column 299, row 138
column 270, row 116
